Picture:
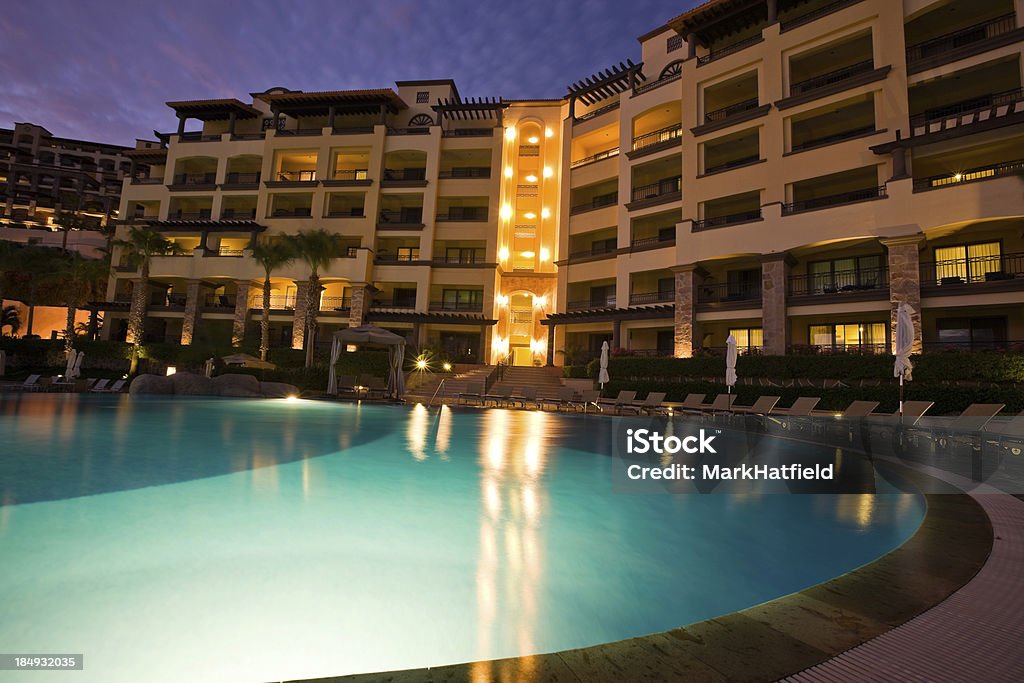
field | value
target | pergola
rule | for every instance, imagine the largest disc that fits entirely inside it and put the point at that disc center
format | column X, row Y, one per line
column 213, row 110
column 380, row 101
column 602, row 85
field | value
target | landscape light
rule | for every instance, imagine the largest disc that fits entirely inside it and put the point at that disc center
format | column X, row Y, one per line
column 421, row 364
column 447, row 367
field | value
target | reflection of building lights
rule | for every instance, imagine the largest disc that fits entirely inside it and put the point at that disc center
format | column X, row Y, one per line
column 506, row 211
column 545, row 254
column 503, row 253
column 510, row 133
column 548, row 172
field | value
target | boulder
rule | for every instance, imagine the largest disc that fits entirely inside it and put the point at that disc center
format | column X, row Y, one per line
column 278, row 389
column 190, row 384
column 151, row 384
column 236, row 385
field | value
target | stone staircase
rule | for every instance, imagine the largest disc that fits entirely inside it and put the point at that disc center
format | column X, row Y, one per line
column 546, row 380
column 454, row 384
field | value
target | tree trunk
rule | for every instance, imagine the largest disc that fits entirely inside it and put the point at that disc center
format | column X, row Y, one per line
column 69, row 329
column 312, row 308
column 31, row 309
column 137, row 310
column 265, row 320
column 64, row 240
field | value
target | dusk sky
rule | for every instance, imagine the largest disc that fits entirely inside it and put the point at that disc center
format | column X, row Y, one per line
column 103, row 70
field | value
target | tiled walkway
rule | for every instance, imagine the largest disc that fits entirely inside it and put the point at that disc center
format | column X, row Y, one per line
column 977, row 634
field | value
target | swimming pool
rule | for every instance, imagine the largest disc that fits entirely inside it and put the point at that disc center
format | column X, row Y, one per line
column 173, row 539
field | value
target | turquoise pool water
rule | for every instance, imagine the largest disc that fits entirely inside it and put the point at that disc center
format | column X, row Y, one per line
column 240, row 540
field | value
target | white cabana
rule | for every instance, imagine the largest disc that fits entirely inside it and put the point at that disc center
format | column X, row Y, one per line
column 370, row 334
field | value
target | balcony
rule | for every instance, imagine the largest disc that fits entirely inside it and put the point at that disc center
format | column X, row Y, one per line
column 598, row 202
column 791, row 23
column 598, row 112
column 159, row 180
column 466, row 258
column 648, row 143
column 194, row 181
column 825, row 140
column 459, row 306
column 593, row 302
column 729, row 49
column 406, row 218
column 468, row 133
column 965, row 112
column 664, row 190
column 971, row 175
column 851, row 197
column 199, row 215
column 296, row 178
column 230, row 252
column 222, row 301
column 464, row 214
column 666, row 239
column 600, row 156
column 199, row 137
column 728, row 219
column 404, row 177
column 660, row 297
column 729, row 295
column 958, row 44
column 398, row 259
column 237, row 181
column 733, row 163
column 351, row 177
column 277, row 302
column 529, row 150
column 1001, row 272
column 600, row 250
column 335, row 303
column 229, row 214
column 832, row 77
column 395, row 304
column 296, row 212
column 866, row 283
column 466, row 172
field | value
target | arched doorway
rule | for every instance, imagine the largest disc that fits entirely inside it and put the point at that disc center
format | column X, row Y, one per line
column 521, row 323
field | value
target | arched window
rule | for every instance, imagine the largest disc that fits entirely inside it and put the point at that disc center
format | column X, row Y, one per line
column 672, row 69
column 421, row 120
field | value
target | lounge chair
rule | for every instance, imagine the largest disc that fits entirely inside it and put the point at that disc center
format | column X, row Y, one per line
column 376, row 387
column 100, row 386
column 721, row 404
column 762, row 406
column 652, row 402
column 474, row 392
column 590, row 398
column 347, row 385
column 566, row 398
column 976, row 416
column 498, row 397
column 31, row 383
column 624, row 398
column 913, row 411
column 692, row 403
column 117, row 386
column 860, row 409
column 524, row 395
column 801, row 407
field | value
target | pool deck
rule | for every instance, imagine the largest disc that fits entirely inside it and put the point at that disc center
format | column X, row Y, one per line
column 948, row 604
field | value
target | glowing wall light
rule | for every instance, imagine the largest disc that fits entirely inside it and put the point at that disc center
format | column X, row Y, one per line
column 545, row 213
column 545, row 254
column 510, row 133
column 506, row 211
column 503, row 253
column 508, row 171
column 548, row 132
column 548, row 172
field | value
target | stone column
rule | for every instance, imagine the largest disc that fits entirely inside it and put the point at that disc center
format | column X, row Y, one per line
column 241, row 317
column 775, row 325
column 359, row 306
column 299, row 319
column 905, row 282
column 193, row 308
column 687, row 278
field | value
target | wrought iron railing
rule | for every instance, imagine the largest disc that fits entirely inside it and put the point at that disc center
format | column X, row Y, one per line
column 604, row 154
column 597, row 202
column 731, row 110
column 838, row 348
column 466, row 306
column 818, row 12
column 396, row 304
column 955, row 40
column 666, row 134
column 238, row 214
column 592, row 302
column 297, row 212
column 593, row 251
column 464, row 213
column 221, row 301
column 661, row 239
column 466, row 172
column 201, row 215
column 732, row 163
column 663, row 187
column 352, row 174
column 975, row 104
column 597, row 112
column 405, row 216
column 195, row 179
column 465, row 258
column 335, row 303
column 726, row 292
column 729, row 219
column 831, row 77
column 468, row 133
column 833, row 200
column 728, row 49
column 237, row 178
column 970, row 175
column 301, row 176
column 835, row 137
column 404, row 174
column 226, row 251
column 974, row 270
column 658, row 297
column 839, row 282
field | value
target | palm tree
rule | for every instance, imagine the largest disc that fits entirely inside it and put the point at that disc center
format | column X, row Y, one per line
column 139, row 249
column 67, row 221
column 9, row 318
column 316, row 248
column 34, row 267
column 272, row 254
column 79, row 281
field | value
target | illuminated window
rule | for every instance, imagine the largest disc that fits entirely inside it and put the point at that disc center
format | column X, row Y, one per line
column 967, row 263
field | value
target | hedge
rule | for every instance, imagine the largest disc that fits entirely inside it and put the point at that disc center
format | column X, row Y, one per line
column 949, row 400
column 931, row 367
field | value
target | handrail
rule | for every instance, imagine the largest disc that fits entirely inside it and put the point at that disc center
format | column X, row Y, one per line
column 439, row 385
column 969, row 175
column 964, row 36
column 729, row 49
column 975, row 104
column 834, row 200
column 655, row 137
column 830, row 77
column 606, row 154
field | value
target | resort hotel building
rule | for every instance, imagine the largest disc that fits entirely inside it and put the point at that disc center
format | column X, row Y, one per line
column 785, row 171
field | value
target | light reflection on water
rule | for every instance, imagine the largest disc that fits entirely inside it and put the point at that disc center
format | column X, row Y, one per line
column 338, row 531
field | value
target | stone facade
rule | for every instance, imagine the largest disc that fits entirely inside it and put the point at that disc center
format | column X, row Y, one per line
column 359, row 305
column 685, row 317
column 241, row 312
column 193, row 308
column 299, row 322
column 774, row 276
column 905, row 282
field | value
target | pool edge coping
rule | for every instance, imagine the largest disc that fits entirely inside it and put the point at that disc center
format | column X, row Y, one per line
column 774, row 639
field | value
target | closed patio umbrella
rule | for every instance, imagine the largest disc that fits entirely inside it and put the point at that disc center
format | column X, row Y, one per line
column 730, row 363
column 77, row 370
column 70, row 369
column 396, row 378
column 332, row 375
column 904, row 345
column 602, row 376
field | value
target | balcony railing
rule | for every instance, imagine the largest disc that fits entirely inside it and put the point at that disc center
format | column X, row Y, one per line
column 301, row 176
column 665, row 239
column 462, row 306
column 195, row 179
column 347, row 212
column 404, row 174
column 861, row 195
column 238, row 214
column 297, row 212
column 728, row 293
column 972, row 271
column 397, row 258
column 409, row 215
column 465, row 258
column 597, row 112
column 732, row 163
column 835, row 137
column 831, row 77
column 236, row 178
column 148, row 181
column 460, row 172
column 970, row 175
column 464, row 213
column 201, row 215
column 649, row 353
column 665, row 186
column 605, row 154
column 593, row 251
column 597, row 202
column 351, row 174
column 529, row 150
column 335, row 303
column 228, row 251
column 659, row 297
column 731, row 110
column 998, row 345
column 836, row 348
column 728, row 219
column 199, row 137
column 278, row 302
column 729, row 49
column 839, row 282
column 592, row 302
column 952, row 42
column 468, row 133
column 666, row 134
column 395, row 304
column 817, row 13
column 221, row 301
column 975, row 104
